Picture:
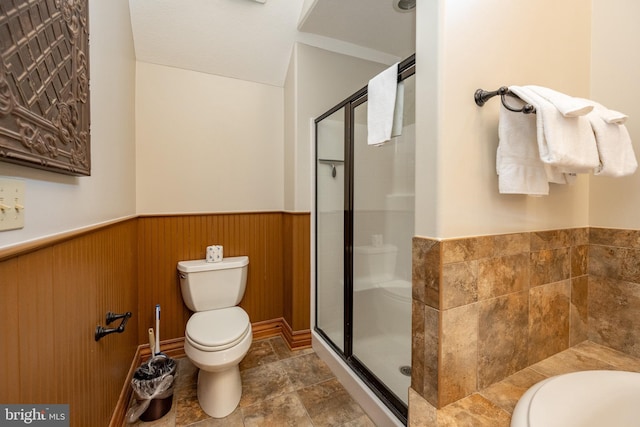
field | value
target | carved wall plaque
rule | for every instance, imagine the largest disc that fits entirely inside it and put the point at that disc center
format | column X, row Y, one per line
column 44, row 84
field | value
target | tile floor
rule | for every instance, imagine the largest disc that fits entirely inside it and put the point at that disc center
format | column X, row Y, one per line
column 493, row 406
column 280, row 388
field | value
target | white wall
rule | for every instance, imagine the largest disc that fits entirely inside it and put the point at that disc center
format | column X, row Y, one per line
column 615, row 69
column 57, row 203
column 319, row 79
column 466, row 45
column 207, row 143
column 461, row 46
column 429, row 21
column 290, row 120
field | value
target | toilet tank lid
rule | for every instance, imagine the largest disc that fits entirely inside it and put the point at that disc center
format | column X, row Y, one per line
column 194, row 266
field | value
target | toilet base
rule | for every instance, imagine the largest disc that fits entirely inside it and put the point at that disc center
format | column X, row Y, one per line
column 219, row 392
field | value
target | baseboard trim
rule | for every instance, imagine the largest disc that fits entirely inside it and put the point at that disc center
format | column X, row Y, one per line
column 120, row 411
column 174, row 348
column 267, row 328
column 296, row 339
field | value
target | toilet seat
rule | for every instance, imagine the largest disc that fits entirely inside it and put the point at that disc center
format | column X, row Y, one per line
column 217, row 330
column 581, row 399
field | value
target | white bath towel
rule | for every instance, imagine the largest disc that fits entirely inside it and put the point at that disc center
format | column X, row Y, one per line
column 382, row 90
column 566, row 143
column 567, row 105
column 617, row 157
column 518, row 164
column 614, row 117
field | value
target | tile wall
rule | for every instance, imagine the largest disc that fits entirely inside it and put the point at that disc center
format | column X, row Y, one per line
column 614, row 289
column 487, row 307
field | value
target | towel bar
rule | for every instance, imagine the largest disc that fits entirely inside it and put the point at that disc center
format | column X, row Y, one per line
column 481, row 96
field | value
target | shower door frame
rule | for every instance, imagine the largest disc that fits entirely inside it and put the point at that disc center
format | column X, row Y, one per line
column 405, row 69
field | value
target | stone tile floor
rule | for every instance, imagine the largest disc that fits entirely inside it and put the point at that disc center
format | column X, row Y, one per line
column 493, row 406
column 279, row 388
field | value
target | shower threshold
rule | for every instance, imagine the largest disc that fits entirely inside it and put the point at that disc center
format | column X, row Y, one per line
column 375, row 408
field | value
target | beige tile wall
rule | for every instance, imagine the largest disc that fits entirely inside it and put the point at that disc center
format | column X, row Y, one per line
column 614, row 289
column 487, row 307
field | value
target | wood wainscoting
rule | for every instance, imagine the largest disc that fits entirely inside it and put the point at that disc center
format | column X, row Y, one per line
column 297, row 271
column 51, row 300
column 55, row 291
column 278, row 282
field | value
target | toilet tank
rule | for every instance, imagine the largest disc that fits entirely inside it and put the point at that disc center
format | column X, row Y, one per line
column 212, row 285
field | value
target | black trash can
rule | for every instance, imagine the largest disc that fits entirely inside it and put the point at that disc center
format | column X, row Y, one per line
column 152, row 385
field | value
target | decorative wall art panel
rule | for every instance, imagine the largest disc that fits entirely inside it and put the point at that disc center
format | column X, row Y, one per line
column 44, row 84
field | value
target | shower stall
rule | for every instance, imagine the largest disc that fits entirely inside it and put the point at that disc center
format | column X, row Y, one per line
column 364, row 225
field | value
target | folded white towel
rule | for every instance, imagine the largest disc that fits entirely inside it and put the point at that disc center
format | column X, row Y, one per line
column 614, row 117
column 566, row 143
column 518, row 164
column 567, row 105
column 617, row 157
column 381, row 92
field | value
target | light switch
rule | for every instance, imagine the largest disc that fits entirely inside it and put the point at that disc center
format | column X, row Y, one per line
column 12, row 204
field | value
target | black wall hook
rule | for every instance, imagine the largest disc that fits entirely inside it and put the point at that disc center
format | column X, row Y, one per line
column 111, row 317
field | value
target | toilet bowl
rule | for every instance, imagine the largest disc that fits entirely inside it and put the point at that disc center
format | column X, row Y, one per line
column 581, row 399
column 218, row 335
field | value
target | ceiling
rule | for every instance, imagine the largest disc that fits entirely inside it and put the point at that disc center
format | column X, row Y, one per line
column 250, row 40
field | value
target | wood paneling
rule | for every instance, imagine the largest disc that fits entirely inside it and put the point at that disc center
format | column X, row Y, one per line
column 165, row 240
column 34, row 245
column 36, row 328
column 297, row 270
column 9, row 339
column 52, row 300
column 287, row 271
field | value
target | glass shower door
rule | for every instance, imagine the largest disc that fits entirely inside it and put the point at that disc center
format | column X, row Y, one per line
column 330, row 232
column 383, row 228
column 364, row 218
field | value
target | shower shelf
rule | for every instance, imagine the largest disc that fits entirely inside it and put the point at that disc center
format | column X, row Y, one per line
column 332, row 163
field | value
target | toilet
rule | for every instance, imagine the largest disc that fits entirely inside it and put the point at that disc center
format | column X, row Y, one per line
column 581, row 399
column 218, row 334
column 373, row 265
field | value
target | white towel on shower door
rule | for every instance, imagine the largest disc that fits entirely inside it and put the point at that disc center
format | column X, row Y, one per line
column 398, row 111
column 381, row 91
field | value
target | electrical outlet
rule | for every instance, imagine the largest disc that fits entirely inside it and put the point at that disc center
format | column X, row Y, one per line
column 12, row 204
